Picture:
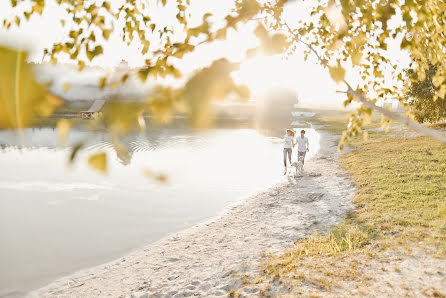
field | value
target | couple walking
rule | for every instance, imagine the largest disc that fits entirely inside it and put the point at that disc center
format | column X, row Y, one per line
column 303, row 146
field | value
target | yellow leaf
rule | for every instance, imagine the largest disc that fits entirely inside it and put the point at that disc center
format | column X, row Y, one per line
column 160, row 177
column 144, row 73
column 66, row 87
column 114, row 85
column 22, row 99
column 107, row 6
column 106, row 33
column 442, row 92
column 80, row 65
column 46, row 107
column 122, row 117
column 337, row 73
column 98, row 162
column 102, row 83
column 54, row 100
column 63, row 126
column 261, row 32
column 356, row 58
column 437, row 80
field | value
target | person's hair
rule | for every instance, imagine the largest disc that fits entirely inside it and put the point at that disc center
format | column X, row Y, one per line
column 302, row 131
column 290, row 130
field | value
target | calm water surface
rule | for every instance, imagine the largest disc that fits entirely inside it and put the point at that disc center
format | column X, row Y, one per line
column 56, row 219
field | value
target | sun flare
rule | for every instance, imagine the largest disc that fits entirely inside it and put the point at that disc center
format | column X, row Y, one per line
column 264, row 72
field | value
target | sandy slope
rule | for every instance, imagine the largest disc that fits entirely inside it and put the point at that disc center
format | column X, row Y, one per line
column 202, row 261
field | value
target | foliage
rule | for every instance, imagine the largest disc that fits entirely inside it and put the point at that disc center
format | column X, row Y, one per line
column 99, row 162
column 338, row 33
column 91, row 23
column 22, row 99
column 421, row 98
column 358, row 33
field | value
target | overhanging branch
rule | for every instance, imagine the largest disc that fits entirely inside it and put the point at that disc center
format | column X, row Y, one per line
column 395, row 116
column 406, row 121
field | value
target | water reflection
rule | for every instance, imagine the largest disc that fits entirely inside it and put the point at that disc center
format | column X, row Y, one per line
column 56, row 219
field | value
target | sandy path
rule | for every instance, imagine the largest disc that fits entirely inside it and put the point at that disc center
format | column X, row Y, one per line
column 201, row 261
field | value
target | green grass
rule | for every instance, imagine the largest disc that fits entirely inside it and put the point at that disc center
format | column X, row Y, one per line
column 402, row 186
column 400, row 205
column 334, row 121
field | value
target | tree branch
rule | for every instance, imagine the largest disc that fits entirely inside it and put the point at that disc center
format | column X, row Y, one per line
column 406, row 121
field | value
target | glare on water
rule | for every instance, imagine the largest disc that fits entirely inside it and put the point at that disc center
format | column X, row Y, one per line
column 56, row 218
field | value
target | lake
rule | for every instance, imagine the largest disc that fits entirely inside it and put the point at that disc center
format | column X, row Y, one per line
column 57, row 218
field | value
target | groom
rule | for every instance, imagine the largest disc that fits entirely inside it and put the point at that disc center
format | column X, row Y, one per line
column 302, row 146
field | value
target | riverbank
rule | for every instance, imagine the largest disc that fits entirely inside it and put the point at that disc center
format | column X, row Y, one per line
column 392, row 244
column 208, row 259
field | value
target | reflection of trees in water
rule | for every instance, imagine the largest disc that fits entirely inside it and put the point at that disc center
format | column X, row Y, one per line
column 153, row 138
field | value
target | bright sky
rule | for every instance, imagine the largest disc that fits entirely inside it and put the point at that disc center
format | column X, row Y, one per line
column 308, row 79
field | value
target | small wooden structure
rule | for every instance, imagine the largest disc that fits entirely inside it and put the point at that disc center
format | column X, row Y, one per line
column 94, row 111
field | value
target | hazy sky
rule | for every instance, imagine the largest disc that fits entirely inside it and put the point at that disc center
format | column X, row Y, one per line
column 307, row 78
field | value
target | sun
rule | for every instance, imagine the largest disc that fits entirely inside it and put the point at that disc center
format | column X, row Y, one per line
column 264, row 72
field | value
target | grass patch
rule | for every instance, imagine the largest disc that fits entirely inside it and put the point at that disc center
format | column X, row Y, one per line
column 333, row 121
column 402, row 186
column 400, row 203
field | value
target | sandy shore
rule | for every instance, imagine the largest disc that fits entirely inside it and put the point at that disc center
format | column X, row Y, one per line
column 204, row 260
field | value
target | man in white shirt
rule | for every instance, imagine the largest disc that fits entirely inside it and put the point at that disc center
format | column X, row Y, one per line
column 288, row 145
column 303, row 146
